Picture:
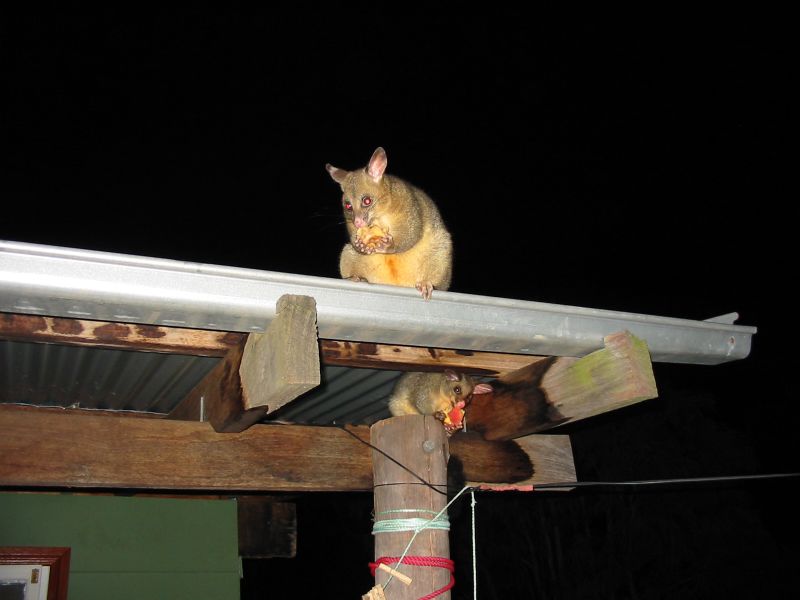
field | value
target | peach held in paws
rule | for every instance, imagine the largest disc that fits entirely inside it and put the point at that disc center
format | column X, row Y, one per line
column 372, row 238
column 454, row 420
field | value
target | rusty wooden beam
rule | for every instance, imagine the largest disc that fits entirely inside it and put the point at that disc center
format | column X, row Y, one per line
column 124, row 336
column 79, row 449
column 413, row 358
column 559, row 390
column 261, row 374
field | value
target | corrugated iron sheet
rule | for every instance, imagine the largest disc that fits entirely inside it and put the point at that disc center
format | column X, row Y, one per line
column 346, row 395
column 56, row 375
column 105, row 379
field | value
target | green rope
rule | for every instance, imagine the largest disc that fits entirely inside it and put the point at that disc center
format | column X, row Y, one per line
column 439, row 521
column 426, row 524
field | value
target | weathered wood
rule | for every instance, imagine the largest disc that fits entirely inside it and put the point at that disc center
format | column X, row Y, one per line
column 261, row 373
column 65, row 448
column 528, row 460
column 217, row 398
column 283, row 362
column 79, row 449
column 413, row 358
column 558, row 390
column 618, row 375
column 267, row 527
column 554, row 463
column 124, row 336
column 420, row 443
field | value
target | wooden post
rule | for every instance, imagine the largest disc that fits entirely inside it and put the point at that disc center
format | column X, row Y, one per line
column 420, row 444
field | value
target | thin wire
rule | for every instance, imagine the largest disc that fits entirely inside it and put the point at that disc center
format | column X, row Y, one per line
column 648, row 482
column 474, row 560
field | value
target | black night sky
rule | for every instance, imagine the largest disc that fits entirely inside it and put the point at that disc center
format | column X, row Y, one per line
column 633, row 161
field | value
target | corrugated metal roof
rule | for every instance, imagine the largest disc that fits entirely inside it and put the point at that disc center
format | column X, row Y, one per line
column 56, row 375
column 106, row 379
column 346, row 395
column 81, row 284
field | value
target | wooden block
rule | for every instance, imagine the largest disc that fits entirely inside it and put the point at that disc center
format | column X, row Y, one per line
column 283, row 362
column 261, row 373
column 549, row 393
column 375, row 593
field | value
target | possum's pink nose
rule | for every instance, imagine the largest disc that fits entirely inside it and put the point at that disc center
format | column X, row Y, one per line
column 359, row 222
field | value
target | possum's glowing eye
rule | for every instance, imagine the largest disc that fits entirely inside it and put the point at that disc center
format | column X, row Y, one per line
column 366, row 200
column 348, row 205
column 457, row 390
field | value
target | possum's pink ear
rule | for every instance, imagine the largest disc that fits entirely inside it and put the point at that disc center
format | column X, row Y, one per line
column 336, row 174
column 377, row 164
column 451, row 375
column 482, row 388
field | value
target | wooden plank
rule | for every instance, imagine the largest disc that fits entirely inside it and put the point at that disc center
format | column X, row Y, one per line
column 267, row 527
column 413, row 358
column 261, row 374
column 78, row 449
column 525, row 461
column 283, row 362
column 419, row 443
column 553, row 463
column 124, row 336
column 552, row 392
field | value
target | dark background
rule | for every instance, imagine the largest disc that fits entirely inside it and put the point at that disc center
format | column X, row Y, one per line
column 631, row 161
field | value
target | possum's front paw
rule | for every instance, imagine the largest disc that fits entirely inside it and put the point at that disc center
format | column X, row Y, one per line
column 425, row 288
column 371, row 239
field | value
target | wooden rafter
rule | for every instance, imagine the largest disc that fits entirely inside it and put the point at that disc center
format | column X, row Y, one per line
column 549, row 393
column 413, row 358
column 45, row 448
column 124, row 336
column 261, row 373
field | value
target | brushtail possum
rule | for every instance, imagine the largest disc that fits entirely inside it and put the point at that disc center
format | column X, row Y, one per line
column 434, row 394
column 397, row 235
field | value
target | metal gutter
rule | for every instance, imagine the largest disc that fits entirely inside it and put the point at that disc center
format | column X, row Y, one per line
column 83, row 284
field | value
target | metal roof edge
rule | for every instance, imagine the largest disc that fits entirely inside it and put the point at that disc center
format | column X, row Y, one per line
column 86, row 284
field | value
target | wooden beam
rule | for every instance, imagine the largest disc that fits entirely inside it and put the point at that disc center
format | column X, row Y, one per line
column 81, row 449
column 217, row 398
column 550, row 393
column 413, row 358
column 525, row 461
column 261, row 374
column 267, row 527
column 283, row 362
column 124, row 336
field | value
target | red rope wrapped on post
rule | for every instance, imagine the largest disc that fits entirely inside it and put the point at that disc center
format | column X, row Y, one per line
column 420, row 561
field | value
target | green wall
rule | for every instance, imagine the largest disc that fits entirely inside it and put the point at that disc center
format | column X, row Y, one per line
column 128, row 548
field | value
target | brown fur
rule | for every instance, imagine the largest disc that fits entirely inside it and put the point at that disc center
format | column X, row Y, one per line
column 432, row 393
column 419, row 253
